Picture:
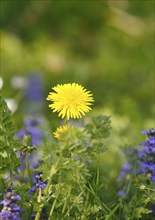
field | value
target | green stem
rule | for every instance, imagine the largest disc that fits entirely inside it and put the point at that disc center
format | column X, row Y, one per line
column 65, row 120
column 38, row 215
column 97, row 177
column 112, row 212
column 52, row 209
column 11, row 173
column 72, row 205
column 51, row 174
column 10, row 163
column 30, row 212
column 28, row 169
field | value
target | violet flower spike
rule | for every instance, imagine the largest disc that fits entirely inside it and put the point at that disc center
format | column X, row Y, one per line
column 147, row 154
column 10, row 209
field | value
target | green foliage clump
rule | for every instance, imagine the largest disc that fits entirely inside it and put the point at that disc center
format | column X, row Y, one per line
column 8, row 144
column 72, row 192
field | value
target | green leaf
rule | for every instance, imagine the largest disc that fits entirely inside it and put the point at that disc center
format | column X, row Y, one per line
column 100, row 127
column 8, row 143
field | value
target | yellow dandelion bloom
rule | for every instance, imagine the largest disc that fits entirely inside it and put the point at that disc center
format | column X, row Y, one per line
column 61, row 131
column 70, row 100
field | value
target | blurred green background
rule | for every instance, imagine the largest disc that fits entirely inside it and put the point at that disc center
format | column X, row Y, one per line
column 107, row 46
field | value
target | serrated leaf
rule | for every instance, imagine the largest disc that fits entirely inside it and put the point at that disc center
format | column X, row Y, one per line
column 7, row 141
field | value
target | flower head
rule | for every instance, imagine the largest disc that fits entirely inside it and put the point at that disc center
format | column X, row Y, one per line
column 142, row 187
column 70, row 100
column 38, row 182
column 61, row 131
column 125, row 172
column 147, row 155
column 10, row 209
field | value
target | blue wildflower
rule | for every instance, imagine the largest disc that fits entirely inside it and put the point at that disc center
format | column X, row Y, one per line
column 123, row 177
column 34, row 94
column 32, row 127
column 34, row 90
column 143, row 159
column 121, row 193
column 38, row 182
column 125, row 171
column 10, row 209
column 147, row 154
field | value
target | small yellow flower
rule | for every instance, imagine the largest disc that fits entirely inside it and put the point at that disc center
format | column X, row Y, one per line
column 61, row 131
column 142, row 187
column 148, row 175
column 128, row 177
column 70, row 100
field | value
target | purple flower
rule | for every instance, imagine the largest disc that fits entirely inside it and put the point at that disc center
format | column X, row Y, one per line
column 144, row 132
column 15, row 197
column 41, row 184
column 34, row 97
column 153, row 177
column 127, row 167
column 33, row 122
column 31, row 127
column 147, row 154
column 5, row 202
column 125, row 171
column 121, row 193
column 34, row 90
column 16, row 208
column 33, row 188
column 10, row 209
column 143, row 161
column 5, row 214
column 36, row 134
column 38, row 182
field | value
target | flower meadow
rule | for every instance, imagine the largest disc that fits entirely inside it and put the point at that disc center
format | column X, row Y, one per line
column 56, row 173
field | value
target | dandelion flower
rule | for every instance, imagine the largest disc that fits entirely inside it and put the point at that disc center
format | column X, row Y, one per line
column 62, row 131
column 70, row 100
